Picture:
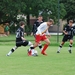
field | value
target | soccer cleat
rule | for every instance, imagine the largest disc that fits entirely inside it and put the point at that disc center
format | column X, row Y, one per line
column 58, row 52
column 29, row 52
column 69, row 51
column 44, row 53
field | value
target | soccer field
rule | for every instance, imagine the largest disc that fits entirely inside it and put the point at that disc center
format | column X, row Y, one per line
column 21, row 64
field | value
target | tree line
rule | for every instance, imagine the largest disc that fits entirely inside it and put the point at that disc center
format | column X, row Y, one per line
column 9, row 9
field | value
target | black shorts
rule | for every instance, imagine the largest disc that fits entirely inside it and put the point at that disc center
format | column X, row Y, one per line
column 22, row 43
column 66, row 38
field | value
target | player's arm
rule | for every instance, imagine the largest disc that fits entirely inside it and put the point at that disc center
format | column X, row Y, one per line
column 42, row 32
column 23, row 38
column 47, row 34
column 45, row 30
column 66, row 33
column 33, row 28
column 74, row 29
column 39, row 29
column 32, row 31
column 65, row 30
column 22, row 35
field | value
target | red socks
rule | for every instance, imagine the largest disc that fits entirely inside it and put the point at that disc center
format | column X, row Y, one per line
column 43, row 50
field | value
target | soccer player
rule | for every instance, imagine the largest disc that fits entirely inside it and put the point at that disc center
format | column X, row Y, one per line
column 20, row 40
column 74, row 28
column 68, row 35
column 40, row 35
column 35, row 26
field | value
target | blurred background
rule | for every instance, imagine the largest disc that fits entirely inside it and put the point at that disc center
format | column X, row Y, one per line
column 13, row 11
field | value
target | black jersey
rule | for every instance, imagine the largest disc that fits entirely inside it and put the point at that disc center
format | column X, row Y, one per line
column 69, row 29
column 35, row 26
column 74, row 30
column 19, row 34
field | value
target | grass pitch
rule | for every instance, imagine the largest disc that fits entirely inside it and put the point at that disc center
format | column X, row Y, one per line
column 21, row 64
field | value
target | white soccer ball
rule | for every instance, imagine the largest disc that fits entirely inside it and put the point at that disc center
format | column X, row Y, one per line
column 35, row 53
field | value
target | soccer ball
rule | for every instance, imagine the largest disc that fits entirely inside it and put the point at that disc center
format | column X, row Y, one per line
column 35, row 53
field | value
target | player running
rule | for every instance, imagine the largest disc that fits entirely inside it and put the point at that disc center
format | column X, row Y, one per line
column 40, row 35
column 35, row 26
column 68, row 35
column 20, row 40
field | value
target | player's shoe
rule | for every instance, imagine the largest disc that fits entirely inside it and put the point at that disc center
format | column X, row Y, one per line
column 29, row 52
column 58, row 52
column 69, row 51
column 44, row 53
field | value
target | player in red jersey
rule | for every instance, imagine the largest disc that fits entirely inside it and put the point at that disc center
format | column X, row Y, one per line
column 42, row 30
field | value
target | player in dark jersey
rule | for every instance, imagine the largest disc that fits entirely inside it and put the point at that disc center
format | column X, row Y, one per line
column 68, row 35
column 74, row 28
column 20, row 40
column 37, row 24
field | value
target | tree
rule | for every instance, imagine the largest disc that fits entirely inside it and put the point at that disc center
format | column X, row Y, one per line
column 10, row 8
column 48, row 8
column 70, row 8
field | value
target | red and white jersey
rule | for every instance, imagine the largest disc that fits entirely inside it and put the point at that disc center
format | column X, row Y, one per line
column 42, row 29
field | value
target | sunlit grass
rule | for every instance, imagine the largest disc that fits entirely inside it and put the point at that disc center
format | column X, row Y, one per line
column 21, row 64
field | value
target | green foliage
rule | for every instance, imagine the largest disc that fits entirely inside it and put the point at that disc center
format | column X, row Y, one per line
column 13, row 29
column 28, row 29
column 10, row 8
column 70, row 8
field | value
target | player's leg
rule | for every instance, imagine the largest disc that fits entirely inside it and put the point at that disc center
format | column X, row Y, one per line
column 31, row 49
column 18, row 44
column 27, row 43
column 12, row 50
column 70, row 46
column 65, row 38
column 45, row 46
column 40, row 46
column 60, row 46
column 37, row 41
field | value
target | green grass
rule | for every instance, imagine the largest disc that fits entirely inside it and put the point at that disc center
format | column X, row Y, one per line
column 10, row 40
column 21, row 64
